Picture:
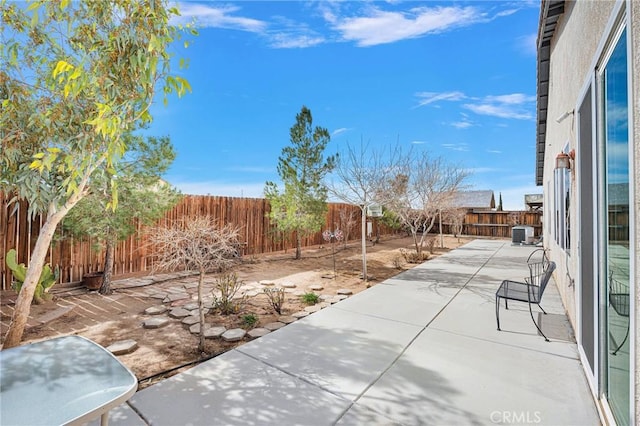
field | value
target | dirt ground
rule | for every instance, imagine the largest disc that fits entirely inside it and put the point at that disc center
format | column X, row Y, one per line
column 165, row 351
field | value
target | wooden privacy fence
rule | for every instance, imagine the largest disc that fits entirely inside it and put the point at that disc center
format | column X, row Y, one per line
column 496, row 223
column 76, row 258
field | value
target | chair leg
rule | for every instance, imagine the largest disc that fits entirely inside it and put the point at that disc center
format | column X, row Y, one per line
column 543, row 311
column 506, row 306
column 498, row 312
column 626, row 336
column 536, row 324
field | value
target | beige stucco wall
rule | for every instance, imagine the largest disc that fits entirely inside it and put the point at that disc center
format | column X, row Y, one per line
column 573, row 49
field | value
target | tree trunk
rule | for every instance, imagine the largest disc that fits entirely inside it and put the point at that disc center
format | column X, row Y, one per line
column 440, row 226
column 416, row 243
column 34, row 269
column 365, row 277
column 201, row 310
column 108, row 267
column 298, row 246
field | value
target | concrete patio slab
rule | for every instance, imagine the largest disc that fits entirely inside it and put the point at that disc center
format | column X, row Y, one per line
column 446, row 379
column 342, row 352
column 403, row 303
column 421, row 348
column 237, row 389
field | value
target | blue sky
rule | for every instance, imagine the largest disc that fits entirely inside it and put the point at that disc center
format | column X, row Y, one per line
column 457, row 79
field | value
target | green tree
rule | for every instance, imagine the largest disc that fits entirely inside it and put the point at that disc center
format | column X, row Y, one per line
column 142, row 199
column 76, row 78
column 301, row 207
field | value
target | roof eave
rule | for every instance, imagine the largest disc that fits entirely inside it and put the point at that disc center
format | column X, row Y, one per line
column 550, row 13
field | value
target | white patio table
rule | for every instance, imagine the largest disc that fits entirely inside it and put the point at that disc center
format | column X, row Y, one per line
column 65, row 380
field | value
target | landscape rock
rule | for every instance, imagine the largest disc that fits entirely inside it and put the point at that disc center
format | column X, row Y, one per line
column 273, row 326
column 233, row 335
column 213, row 332
column 156, row 310
column 267, row 283
column 123, row 347
column 286, row 319
column 190, row 320
column 257, row 332
column 316, row 287
column 190, row 306
column 179, row 313
column 155, row 323
column 345, row 291
column 300, row 314
column 173, row 297
column 287, row 285
column 195, row 329
column 312, row 309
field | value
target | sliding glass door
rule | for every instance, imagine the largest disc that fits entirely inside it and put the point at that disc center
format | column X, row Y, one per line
column 614, row 219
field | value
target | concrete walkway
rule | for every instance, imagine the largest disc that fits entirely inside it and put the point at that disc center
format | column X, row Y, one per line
column 420, row 348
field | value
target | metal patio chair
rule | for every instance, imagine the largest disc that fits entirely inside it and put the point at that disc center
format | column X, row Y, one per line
column 619, row 301
column 531, row 290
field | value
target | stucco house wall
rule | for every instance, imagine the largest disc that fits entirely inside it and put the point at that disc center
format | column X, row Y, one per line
column 572, row 51
column 576, row 46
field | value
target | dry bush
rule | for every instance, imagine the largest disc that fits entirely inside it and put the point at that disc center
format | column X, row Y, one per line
column 412, row 256
column 276, row 298
column 398, row 262
column 198, row 244
column 228, row 286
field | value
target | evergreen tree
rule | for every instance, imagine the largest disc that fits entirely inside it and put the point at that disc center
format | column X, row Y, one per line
column 300, row 208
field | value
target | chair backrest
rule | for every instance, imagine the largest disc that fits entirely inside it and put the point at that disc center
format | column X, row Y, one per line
column 546, row 276
column 539, row 276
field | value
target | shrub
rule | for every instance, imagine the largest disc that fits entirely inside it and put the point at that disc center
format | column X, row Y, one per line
column 228, row 286
column 249, row 320
column 398, row 262
column 276, row 298
column 310, row 298
column 411, row 256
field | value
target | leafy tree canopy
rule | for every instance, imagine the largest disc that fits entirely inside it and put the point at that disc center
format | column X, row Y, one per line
column 76, row 78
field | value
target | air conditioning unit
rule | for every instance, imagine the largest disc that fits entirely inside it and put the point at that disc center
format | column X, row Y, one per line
column 521, row 234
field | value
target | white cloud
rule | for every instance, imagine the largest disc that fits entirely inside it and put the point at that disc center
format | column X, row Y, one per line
column 501, row 111
column 464, row 124
column 381, row 27
column 528, row 44
column 426, row 98
column 515, row 106
column 418, row 142
column 494, row 151
column 512, row 99
column 207, row 16
column 477, row 170
column 462, row 147
column 292, row 41
column 506, row 12
column 336, row 132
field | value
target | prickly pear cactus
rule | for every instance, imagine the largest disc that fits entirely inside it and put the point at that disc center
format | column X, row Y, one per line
column 47, row 278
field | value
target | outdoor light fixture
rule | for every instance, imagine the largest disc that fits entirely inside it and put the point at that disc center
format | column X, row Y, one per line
column 564, row 116
column 563, row 160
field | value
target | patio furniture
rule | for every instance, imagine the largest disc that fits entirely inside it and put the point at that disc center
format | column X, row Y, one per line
column 619, row 301
column 531, row 290
column 61, row 381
